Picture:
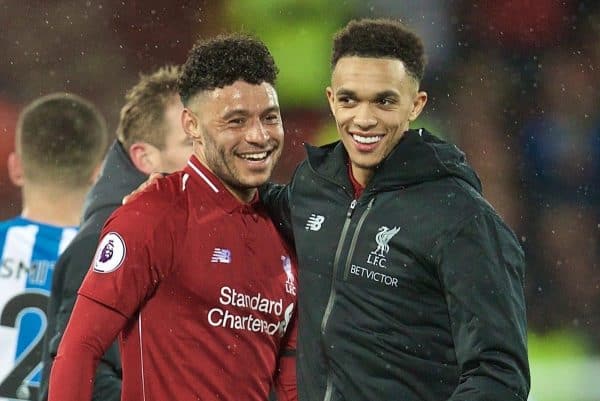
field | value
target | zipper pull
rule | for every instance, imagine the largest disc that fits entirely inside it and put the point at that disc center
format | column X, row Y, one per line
column 351, row 209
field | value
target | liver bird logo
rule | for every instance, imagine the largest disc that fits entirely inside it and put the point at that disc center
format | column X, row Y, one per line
column 383, row 237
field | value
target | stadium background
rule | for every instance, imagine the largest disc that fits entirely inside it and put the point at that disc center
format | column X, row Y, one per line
column 515, row 83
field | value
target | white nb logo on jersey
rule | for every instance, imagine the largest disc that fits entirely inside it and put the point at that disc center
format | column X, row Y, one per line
column 221, row 255
column 314, row 222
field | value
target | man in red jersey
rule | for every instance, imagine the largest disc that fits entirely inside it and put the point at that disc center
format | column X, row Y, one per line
column 192, row 274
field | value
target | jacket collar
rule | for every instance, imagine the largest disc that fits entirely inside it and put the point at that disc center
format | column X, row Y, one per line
column 118, row 178
column 418, row 157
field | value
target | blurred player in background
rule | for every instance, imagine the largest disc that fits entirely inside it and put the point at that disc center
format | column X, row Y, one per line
column 60, row 142
column 150, row 138
column 192, row 275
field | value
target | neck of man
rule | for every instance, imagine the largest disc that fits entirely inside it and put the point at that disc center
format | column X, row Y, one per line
column 243, row 195
column 54, row 206
column 362, row 175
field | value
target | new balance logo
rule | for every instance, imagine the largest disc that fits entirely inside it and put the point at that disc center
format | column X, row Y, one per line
column 314, row 222
column 221, row 255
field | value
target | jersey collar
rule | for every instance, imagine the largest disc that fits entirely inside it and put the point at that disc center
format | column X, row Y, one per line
column 206, row 178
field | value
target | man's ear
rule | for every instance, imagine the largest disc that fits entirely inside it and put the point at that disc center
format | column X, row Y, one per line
column 418, row 105
column 330, row 98
column 15, row 169
column 191, row 125
column 143, row 155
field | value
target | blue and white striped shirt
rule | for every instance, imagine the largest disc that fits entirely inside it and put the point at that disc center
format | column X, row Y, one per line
column 28, row 253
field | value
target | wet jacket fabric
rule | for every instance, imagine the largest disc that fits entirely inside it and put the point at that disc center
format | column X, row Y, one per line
column 119, row 177
column 412, row 292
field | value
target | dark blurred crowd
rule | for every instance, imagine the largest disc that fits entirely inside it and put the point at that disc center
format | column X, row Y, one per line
column 514, row 83
column 522, row 101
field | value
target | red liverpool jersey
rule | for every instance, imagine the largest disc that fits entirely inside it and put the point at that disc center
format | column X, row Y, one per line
column 208, row 287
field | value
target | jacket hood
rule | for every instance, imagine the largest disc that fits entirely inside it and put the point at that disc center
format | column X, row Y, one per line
column 418, row 157
column 118, row 178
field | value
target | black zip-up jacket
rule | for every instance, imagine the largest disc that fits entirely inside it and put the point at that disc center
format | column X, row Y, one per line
column 119, row 177
column 412, row 292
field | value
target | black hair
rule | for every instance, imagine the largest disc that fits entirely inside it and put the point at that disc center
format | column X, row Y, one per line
column 220, row 61
column 380, row 38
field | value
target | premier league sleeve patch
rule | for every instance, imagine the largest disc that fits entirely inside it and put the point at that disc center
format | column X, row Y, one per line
column 110, row 254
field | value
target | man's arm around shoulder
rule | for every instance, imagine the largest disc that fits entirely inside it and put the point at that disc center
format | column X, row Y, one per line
column 276, row 199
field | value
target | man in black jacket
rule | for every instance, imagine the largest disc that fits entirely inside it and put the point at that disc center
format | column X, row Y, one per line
column 411, row 285
column 150, row 138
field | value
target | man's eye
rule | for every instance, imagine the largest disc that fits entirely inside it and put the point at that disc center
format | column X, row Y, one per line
column 345, row 100
column 386, row 101
column 272, row 118
column 236, row 121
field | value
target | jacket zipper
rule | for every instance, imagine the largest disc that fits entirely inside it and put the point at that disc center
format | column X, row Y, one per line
column 355, row 238
column 336, row 262
column 332, row 291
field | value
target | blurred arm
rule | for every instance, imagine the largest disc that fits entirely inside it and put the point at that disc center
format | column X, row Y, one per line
column 276, row 199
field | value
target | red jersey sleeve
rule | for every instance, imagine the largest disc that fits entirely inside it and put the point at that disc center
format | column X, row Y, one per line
column 285, row 377
column 134, row 255
column 91, row 329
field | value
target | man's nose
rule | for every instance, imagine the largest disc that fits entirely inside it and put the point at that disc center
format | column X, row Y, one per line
column 257, row 133
column 364, row 117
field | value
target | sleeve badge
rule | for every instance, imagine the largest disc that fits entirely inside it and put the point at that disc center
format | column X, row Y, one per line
column 110, row 253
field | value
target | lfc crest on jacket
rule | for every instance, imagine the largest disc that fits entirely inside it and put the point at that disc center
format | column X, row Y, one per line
column 384, row 234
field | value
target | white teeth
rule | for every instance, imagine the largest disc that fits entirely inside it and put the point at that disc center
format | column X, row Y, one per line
column 366, row 139
column 254, row 156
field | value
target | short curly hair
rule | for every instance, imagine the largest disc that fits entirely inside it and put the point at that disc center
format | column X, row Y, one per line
column 220, row 61
column 380, row 38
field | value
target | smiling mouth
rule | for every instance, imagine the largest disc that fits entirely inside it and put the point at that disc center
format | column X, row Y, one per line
column 256, row 156
column 367, row 140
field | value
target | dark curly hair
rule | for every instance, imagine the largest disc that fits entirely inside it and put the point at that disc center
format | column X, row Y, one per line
column 220, row 61
column 380, row 38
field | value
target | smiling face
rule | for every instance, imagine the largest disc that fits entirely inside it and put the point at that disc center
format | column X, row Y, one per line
column 237, row 133
column 373, row 101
